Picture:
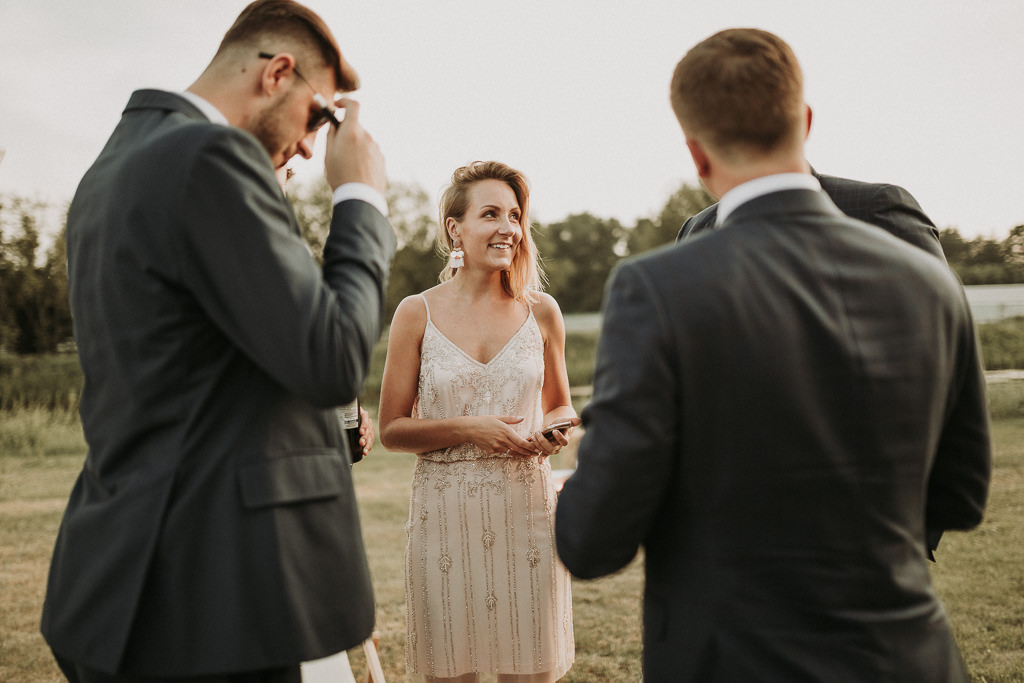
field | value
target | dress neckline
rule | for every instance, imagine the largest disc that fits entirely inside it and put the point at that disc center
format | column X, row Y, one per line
column 430, row 323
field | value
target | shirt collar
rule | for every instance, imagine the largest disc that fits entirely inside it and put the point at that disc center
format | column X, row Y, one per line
column 209, row 111
column 751, row 189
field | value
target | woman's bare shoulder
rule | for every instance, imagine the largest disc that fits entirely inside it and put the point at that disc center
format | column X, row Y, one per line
column 547, row 312
column 410, row 315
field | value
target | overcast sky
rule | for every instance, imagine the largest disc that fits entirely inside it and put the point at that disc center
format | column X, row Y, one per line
column 928, row 94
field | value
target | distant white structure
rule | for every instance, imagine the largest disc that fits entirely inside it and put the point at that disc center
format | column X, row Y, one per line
column 995, row 302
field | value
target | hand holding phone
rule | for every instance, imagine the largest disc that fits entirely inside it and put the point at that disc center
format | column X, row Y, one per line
column 548, row 432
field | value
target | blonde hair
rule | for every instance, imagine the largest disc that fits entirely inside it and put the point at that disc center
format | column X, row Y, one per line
column 525, row 278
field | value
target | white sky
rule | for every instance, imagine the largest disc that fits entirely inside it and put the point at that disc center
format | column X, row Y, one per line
column 928, row 94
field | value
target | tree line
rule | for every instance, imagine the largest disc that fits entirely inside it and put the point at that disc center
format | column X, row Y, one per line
column 578, row 253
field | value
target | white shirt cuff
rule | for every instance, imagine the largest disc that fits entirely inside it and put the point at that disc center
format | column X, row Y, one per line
column 361, row 191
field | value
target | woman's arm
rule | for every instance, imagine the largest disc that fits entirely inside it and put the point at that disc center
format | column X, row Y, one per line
column 556, row 400
column 401, row 432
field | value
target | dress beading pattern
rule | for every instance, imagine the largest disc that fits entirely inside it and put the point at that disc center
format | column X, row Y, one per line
column 485, row 591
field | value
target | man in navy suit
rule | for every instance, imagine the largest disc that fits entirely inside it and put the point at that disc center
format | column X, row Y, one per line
column 781, row 409
column 213, row 533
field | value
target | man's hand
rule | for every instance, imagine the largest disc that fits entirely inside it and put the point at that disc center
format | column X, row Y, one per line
column 352, row 155
column 366, row 431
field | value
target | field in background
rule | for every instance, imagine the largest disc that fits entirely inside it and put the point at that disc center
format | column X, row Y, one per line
column 979, row 575
column 54, row 381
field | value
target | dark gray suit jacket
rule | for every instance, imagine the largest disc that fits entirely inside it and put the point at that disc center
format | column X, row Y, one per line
column 779, row 409
column 214, row 526
column 886, row 206
column 889, row 207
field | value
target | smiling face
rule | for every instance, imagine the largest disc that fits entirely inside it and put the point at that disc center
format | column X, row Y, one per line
column 490, row 230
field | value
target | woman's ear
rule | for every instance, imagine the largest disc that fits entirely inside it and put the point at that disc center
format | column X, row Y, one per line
column 452, row 226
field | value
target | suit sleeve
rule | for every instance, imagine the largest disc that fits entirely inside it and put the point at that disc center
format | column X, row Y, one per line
column 959, row 480
column 628, row 449
column 895, row 210
column 311, row 329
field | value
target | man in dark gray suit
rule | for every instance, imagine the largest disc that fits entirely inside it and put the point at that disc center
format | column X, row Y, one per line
column 890, row 207
column 780, row 408
column 213, row 532
column 886, row 206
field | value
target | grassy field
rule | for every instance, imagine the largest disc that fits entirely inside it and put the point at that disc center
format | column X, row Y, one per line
column 979, row 575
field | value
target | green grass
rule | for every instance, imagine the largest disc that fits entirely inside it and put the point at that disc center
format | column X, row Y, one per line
column 979, row 574
column 1002, row 343
column 580, row 348
column 53, row 381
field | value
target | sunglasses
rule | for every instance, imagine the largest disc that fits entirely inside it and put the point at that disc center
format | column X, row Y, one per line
column 325, row 114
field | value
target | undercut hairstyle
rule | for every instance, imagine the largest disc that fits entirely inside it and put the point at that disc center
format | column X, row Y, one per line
column 265, row 22
column 741, row 90
column 525, row 278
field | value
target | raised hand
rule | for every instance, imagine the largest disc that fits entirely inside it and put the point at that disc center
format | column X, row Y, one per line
column 352, row 155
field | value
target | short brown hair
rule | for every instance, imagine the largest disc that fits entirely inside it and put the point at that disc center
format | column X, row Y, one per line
column 741, row 88
column 524, row 278
column 276, row 19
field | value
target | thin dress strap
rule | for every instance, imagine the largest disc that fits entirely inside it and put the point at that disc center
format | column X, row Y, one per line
column 426, row 306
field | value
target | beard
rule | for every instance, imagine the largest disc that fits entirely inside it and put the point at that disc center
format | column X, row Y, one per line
column 268, row 126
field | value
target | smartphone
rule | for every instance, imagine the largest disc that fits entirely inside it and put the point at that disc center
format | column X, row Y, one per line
column 561, row 424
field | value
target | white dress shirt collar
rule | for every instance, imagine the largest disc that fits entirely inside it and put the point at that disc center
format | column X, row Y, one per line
column 757, row 187
column 209, row 111
column 342, row 193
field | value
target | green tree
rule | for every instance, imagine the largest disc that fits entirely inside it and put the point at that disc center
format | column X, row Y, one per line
column 649, row 233
column 55, row 273
column 313, row 207
column 953, row 246
column 984, row 261
column 415, row 266
column 578, row 255
column 1013, row 247
column 984, row 251
column 34, row 313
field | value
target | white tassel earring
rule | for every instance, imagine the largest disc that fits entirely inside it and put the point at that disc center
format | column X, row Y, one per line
column 456, row 258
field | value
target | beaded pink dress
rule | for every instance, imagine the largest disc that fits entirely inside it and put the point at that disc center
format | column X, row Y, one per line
column 485, row 591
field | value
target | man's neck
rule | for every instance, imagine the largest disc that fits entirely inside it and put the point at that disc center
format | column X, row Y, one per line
column 733, row 175
column 220, row 86
column 209, row 110
column 767, row 184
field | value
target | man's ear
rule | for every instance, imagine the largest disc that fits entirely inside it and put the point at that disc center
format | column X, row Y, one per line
column 275, row 71
column 700, row 158
column 810, row 115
